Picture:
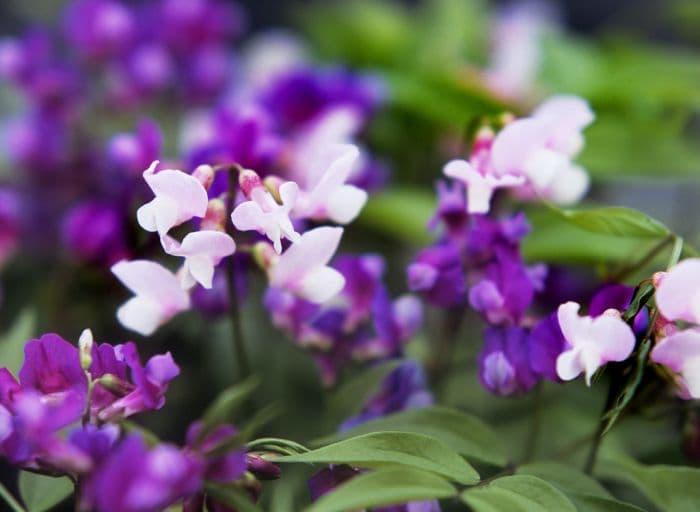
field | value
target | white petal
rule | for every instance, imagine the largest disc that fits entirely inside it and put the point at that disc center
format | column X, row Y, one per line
column 202, row 269
column 569, row 365
column 247, row 216
column 321, row 284
column 345, row 203
column 141, row 315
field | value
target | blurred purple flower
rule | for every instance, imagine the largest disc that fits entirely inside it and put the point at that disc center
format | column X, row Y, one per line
column 504, row 363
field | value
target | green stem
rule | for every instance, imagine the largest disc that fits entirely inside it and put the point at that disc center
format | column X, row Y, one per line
column 238, row 338
column 599, row 433
column 10, row 500
column 536, row 423
column 648, row 256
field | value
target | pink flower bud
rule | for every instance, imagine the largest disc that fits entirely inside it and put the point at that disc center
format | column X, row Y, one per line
column 249, row 181
column 215, row 216
column 273, row 184
column 205, row 175
column 657, row 278
column 264, row 255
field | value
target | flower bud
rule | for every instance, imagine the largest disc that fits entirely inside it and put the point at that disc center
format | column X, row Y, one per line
column 85, row 343
column 114, row 384
column 249, row 181
column 657, row 278
column 264, row 255
column 205, row 175
column 483, row 139
column 262, row 468
column 215, row 216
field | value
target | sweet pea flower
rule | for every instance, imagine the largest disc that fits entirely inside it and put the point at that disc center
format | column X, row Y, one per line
column 179, row 197
column 264, row 214
column 504, row 364
column 480, row 182
column 159, row 295
column 681, row 353
column 302, row 269
column 678, row 293
column 202, row 250
column 540, row 147
column 592, row 342
column 331, row 198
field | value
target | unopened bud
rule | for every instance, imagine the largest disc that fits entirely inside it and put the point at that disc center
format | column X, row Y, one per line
column 205, row 175
column 114, row 384
column 215, row 216
column 657, row 278
column 273, row 184
column 261, row 468
column 85, row 343
column 506, row 118
column 249, row 181
column 612, row 313
column 483, row 139
column 264, row 255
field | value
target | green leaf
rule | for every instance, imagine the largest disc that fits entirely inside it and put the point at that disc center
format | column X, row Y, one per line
column 616, row 221
column 381, row 449
column 671, row 488
column 349, row 399
column 10, row 499
column 630, row 387
column 233, row 496
column 517, row 493
column 227, row 403
column 586, row 493
column 387, row 486
column 463, row 433
column 41, row 493
column 12, row 342
column 641, row 296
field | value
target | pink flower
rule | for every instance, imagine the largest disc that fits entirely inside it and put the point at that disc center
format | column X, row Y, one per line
column 480, row 182
column 158, row 295
column 681, row 353
column 330, row 198
column 678, row 294
column 541, row 147
column 202, row 250
column 592, row 341
column 179, row 197
column 302, row 269
column 264, row 214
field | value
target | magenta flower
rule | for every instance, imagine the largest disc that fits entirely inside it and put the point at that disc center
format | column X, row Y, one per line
column 159, row 295
column 678, row 293
column 302, row 269
column 592, row 342
column 681, row 353
column 179, row 197
column 262, row 213
column 202, row 250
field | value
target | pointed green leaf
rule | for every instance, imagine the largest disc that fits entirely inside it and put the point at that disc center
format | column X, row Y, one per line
column 465, row 434
column 671, row 488
column 517, row 493
column 387, row 486
column 381, row 449
column 227, row 403
column 10, row 500
column 12, row 342
column 616, row 221
column 586, row 493
column 41, row 493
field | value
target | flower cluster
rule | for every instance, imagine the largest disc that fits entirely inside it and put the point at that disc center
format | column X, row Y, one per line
column 64, row 415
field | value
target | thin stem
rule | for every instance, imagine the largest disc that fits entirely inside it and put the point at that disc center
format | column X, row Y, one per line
column 440, row 361
column 598, row 436
column 536, row 423
column 10, row 500
column 238, row 338
column 648, row 256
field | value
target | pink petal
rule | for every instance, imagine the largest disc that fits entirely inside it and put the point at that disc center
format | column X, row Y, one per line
column 185, row 190
column 314, row 249
column 613, row 338
column 515, row 144
column 159, row 215
column 289, row 191
column 676, row 349
column 215, row 245
column 248, row 216
column 570, row 323
column 153, row 281
column 678, row 296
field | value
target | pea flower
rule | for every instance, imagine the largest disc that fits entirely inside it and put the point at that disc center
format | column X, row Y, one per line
column 540, row 147
column 179, row 197
column 680, row 352
column 264, row 214
column 678, row 293
column 202, row 250
column 480, row 182
column 159, row 295
column 592, row 342
column 330, row 197
column 504, row 364
column 302, row 269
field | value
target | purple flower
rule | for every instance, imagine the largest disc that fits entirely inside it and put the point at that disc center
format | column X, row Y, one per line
column 363, row 274
column 99, row 29
column 546, row 344
column 451, row 209
column 504, row 363
column 218, row 468
column 404, row 388
column 10, row 226
column 96, row 442
column 437, row 272
column 131, row 153
column 144, row 391
column 135, row 479
column 94, row 232
column 329, row 478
